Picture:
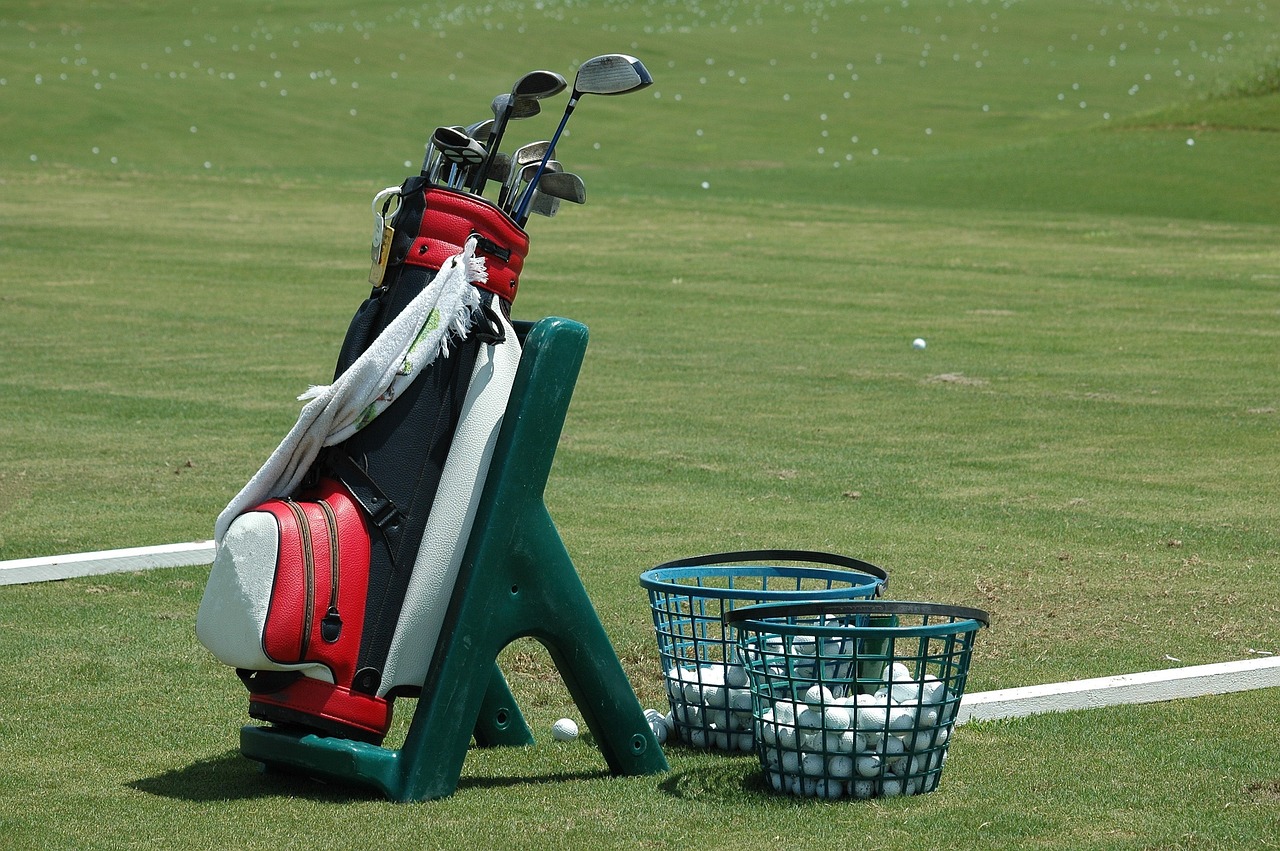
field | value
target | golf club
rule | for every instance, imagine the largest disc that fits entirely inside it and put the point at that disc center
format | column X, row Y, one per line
column 543, row 204
column 526, row 174
column 531, row 88
column 555, row 187
column 480, row 131
column 519, row 108
column 609, row 74
column 501, row 167
column 521, row 157
column 564, row 185
column 457, row 148
column 552, row 188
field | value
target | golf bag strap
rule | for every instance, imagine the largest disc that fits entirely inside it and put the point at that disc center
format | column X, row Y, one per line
column 380, row 510
column 449, row 219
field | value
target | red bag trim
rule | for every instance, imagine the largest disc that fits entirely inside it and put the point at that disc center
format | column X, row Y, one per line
column 450, row 218
column 336, row 704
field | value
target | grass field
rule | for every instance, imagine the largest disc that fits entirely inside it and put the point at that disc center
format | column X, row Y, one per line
column 1076, row 204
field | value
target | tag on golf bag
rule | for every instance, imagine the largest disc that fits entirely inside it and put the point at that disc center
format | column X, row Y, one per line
column 416, row 471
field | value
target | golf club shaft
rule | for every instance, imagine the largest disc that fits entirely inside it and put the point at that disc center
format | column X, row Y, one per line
column 495, row 139
column 522, row 209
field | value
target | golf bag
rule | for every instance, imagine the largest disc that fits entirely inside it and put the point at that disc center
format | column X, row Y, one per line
column 328, row 598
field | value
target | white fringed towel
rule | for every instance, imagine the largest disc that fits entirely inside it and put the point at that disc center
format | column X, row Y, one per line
column 422, row 331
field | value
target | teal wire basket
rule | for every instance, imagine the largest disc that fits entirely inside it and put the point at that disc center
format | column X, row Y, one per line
column 855, row 699
column 707, row 685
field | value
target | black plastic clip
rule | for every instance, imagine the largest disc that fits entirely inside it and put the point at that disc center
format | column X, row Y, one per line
column 488, row 246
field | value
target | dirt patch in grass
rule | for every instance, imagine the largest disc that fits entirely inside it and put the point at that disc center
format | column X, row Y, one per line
column 1264, row 791
column 956, row 378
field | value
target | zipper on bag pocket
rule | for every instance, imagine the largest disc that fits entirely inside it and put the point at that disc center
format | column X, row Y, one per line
column 308, row 572
column 331, row 625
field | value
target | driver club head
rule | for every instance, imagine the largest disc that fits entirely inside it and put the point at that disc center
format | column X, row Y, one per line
column 611, row 74
column 539, row 85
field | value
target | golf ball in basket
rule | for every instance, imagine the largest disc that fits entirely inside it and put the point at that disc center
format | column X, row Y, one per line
column 918, row 343
column 564, row 730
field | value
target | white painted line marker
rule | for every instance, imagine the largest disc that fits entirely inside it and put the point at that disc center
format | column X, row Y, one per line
column 1144, row 687
column 44, row 568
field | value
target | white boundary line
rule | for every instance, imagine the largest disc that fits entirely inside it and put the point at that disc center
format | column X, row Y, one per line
column 1143, row 687
column 45, row 568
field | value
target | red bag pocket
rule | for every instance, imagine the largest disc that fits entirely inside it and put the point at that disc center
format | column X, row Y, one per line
column 316, row 612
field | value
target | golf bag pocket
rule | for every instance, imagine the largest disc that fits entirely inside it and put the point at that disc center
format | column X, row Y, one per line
column 285, row 605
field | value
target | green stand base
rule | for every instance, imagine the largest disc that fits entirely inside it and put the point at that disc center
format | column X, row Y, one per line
column 516, row 580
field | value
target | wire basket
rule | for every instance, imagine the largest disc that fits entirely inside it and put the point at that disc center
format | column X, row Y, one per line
column 707, row 687
column 855, row 698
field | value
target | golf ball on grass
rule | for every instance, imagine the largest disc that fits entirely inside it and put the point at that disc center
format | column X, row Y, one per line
column 564, row 730
column 658, row 724
column 918, row 343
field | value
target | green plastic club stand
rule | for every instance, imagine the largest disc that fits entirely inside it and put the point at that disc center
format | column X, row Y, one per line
column 516, row 580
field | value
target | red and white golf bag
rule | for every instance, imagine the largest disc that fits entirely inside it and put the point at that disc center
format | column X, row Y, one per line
column 336, row 563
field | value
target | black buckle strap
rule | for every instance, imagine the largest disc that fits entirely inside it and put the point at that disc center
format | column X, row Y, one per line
column 488, row 246
column 487, row 327
column 377, row 506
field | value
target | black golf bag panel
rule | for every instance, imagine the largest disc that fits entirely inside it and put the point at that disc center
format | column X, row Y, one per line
column 404, row 469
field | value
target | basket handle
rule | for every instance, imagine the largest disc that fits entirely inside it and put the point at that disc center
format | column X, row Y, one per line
column 782, row 555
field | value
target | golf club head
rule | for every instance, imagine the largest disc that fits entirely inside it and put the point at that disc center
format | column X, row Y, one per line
column 524, row 107
column 530, row 153
column 611, row 74
column 480, row 130
column 521, row 157
column 524, row 189
column 525, row 173
column 563, row 185
column 496, row 167
column 529, row 171
column 539, row 85
column 500, row 168
column 544, row 204
column 456, row 146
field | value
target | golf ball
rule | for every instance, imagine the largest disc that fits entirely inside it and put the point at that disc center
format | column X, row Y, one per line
column 918, row 343
column 840, row 767
column 657, row 723
column 564, row 730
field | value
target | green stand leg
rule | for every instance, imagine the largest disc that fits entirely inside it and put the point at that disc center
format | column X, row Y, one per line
column 516, row 580
column 500, row 723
